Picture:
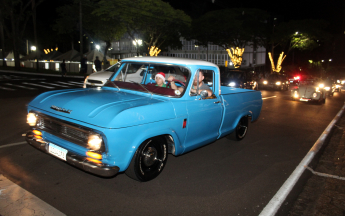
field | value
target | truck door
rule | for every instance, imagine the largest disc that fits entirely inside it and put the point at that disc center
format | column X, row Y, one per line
column 204, row 115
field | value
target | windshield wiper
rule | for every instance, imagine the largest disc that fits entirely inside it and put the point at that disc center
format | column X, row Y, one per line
column 141, row 86
column 113, row 84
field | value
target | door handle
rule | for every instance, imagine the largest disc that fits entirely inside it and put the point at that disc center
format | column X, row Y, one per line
column 217, row 102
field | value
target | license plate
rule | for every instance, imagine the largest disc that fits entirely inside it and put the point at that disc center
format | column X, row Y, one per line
column 57, row 151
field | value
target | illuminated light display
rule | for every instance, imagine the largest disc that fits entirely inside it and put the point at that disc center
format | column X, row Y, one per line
column 236, row 56
column 154, row 51
column 279, row 63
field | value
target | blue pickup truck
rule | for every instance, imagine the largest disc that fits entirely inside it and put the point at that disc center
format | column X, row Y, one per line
column 134, row 121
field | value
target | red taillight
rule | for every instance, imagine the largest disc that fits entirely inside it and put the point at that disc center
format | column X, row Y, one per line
column 184, row 123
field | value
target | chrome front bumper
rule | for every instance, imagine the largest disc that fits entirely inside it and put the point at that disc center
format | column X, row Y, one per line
column 75, row 160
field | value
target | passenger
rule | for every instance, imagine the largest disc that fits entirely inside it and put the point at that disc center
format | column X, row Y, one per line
column 160, row 80
column 173, row 85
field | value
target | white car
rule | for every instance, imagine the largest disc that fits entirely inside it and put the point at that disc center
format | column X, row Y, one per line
column 98, row 79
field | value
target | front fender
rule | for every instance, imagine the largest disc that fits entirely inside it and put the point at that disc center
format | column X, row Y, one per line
column 124, row 142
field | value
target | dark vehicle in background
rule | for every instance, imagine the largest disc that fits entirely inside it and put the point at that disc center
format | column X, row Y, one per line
column 238, row 79
column 275, row 82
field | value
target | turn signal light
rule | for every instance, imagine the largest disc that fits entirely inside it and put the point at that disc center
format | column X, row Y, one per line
column 94, row 155
column 94, row 160
column 37, row 132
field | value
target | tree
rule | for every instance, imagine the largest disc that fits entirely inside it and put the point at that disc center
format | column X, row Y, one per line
column 14, row 16
column 231, row 28
column 235, row 27
column 153, row 20
column 298, row 34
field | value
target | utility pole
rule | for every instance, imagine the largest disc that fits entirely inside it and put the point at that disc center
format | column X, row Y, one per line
column 81, row 31
column 35, row 32
column 2, row 38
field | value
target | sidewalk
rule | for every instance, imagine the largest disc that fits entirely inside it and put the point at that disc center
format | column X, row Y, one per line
column 324, row 192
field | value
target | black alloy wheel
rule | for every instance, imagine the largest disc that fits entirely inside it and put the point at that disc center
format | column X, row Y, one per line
column 149, row 160
column 241, row 128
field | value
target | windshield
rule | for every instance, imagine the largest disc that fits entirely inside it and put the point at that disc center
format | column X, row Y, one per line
column 167, row 80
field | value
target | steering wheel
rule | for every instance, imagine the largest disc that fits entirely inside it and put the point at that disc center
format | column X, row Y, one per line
column 178, row 81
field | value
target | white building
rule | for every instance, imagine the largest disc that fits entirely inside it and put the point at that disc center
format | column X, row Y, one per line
column 125, row 48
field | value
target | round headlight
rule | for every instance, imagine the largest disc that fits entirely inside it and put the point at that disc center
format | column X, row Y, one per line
column 265, row 82
column 314, row 94
column 278, row 83
column 94, row 142
column 31, row 119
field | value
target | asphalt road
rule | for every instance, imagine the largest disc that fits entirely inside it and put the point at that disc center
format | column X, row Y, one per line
column 223, row 178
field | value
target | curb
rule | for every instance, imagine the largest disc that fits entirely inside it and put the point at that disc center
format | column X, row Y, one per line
column 293, row 183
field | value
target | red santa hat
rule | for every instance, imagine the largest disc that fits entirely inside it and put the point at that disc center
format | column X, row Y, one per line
column 160, row 75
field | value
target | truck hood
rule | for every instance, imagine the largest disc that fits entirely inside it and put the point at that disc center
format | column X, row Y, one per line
column 104, row 108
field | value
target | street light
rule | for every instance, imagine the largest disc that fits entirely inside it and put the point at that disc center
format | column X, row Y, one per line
column 98, row 47
column 33, row 48
column 136, row 43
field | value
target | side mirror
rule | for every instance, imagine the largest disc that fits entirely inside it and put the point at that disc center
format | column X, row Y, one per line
column 203, row 94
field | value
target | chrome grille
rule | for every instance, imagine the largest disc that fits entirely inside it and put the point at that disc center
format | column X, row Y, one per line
column 67, row 131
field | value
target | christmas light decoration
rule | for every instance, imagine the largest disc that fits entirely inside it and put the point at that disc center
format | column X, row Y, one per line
column 279, row 63
column 236, row 56
column 154, row 51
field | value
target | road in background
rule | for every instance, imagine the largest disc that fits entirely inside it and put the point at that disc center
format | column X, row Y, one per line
column 224, row 178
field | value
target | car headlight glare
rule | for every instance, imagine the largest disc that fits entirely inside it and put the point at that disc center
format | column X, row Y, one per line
column 295, row 95
column 327, row 88
column 232, row 84
column 265, row 82
column 321, row 85
column 31, row 119
column 314, row 94
column 317, row 89
column 94, row 142
column 278, row 83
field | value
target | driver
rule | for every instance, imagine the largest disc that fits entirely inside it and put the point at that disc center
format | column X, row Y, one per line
column 202, row 85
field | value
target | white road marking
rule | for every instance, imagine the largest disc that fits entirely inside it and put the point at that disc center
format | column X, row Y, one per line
column 18, row 201
column 13, row 144
column 20, row 86
column 9, row 89
column 76, row 82
column 55, row 85
column 67, row 83
column 268, row 97
column 33, row 84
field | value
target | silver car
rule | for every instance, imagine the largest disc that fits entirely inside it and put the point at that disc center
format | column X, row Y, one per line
column 98, row 79
column 309, row 90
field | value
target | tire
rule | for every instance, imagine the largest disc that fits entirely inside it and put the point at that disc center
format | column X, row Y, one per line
column 149, row 160
column 241, row 129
